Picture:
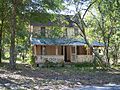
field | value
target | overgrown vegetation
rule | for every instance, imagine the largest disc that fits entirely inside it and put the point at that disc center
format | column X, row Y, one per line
column 96, row 19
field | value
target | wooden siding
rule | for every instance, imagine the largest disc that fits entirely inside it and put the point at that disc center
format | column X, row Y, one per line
column 70, row 30
column 50, row 50
column 60, row 50
column 36, row 28
column 38, row 49
column 81, row 50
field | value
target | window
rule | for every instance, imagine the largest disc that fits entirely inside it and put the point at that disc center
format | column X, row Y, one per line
column 43, row 31
column 76, row 31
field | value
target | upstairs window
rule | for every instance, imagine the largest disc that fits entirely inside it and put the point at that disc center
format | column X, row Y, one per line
column 76, row 31
column 43, row 31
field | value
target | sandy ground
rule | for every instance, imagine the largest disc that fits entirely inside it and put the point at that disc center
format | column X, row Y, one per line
column 55, row 78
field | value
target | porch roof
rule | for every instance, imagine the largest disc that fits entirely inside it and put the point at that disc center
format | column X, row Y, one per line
column 62, row 41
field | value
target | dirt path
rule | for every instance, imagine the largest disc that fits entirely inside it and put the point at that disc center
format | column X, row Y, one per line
column 56, row 78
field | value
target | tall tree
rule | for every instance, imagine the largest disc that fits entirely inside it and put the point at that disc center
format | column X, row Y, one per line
column 13, row 33
column 105, row 19
column 107, row 23
column 25, row 8
column 3, row 15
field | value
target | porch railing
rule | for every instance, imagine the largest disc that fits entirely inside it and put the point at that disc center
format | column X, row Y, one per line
column 83, row 58
column 51, row 58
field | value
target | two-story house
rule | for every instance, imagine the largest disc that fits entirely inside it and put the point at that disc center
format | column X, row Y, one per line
column 58, row 43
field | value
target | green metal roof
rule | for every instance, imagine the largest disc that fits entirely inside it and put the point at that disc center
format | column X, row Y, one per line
column 61, row 41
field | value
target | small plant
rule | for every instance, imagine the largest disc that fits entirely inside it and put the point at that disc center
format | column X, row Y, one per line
column 49, row 64
column 53, row 64
column 32, row 60
column 83, row 64
column 62, row 63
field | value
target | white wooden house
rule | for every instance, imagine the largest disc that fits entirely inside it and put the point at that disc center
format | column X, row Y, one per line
column 65, row 48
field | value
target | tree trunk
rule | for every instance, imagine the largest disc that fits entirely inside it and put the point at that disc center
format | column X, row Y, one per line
column 1, row 30
column 12, row 47
column 83, row 34
column 94, row 63
column 115, row 55
column 97, row 56
column 1, row 41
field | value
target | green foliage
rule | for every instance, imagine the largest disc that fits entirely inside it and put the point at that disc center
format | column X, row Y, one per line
column 83, row 64
column 17, row 15
column 32, row 60
column 55, row 32
column 49, row 64
column 37, row 17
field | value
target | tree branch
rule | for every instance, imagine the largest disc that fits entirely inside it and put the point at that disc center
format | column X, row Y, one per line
column 88, row 9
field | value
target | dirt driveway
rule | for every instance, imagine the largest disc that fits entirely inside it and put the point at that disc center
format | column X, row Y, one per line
column 55, row 78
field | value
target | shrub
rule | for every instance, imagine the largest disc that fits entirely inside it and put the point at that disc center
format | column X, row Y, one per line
column 52, row 64
column 83, row 64
column 32, row 60
column 48, row 64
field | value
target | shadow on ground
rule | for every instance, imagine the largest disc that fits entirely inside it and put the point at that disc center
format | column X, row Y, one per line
column 27, row 77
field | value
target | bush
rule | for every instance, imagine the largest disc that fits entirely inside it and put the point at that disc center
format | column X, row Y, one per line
column 52, row 64
column 48, row 64
column 32, row 60
column 84, row 64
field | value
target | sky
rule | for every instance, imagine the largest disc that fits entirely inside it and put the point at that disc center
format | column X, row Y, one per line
column 71, row 9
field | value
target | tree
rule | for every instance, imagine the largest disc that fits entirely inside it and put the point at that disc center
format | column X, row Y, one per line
column 115, row 47
column 79, row 20
column 28, row 6
column 106, row 22
column 3, row 16
column 13, row 33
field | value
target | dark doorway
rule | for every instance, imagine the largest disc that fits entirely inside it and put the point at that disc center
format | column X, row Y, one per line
column 67, row 54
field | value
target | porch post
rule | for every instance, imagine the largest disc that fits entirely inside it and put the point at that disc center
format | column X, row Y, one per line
column 75, row 53
column 70, row 54
column 56, row 50
column 63, row 53
column 35, row 50
column 43, row 50
column 63, row 50
column 88, row 50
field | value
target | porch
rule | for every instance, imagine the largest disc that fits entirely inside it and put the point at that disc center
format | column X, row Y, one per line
column 61, row 53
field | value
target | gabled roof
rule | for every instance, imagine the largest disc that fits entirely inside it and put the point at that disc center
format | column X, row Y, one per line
column 62, row 41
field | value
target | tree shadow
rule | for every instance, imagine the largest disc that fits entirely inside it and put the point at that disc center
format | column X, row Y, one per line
column 6, row 83
column 96, row 77
column 72, row 75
